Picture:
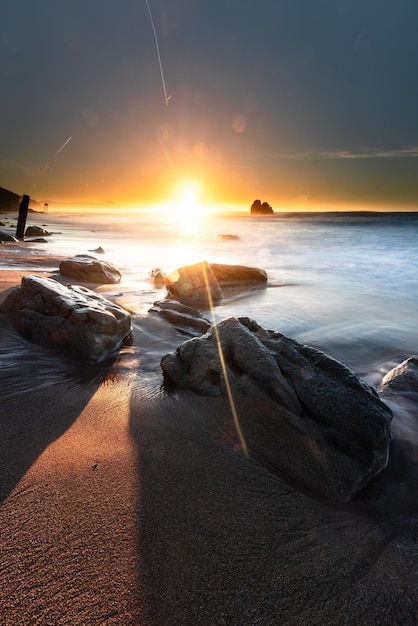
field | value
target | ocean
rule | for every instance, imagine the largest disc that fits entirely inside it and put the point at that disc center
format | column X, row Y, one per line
column 346, row 283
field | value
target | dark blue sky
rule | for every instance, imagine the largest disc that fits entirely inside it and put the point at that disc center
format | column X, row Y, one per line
column 303, row 103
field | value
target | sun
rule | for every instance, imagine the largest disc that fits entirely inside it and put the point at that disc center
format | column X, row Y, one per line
column 188, row 201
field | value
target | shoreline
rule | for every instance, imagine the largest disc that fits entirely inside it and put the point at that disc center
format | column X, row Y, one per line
column 124, row 505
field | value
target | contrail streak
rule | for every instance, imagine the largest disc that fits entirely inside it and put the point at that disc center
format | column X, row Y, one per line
column 56, row 154
column 167, row 98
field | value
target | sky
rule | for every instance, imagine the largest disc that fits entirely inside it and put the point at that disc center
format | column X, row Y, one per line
column 305, row 104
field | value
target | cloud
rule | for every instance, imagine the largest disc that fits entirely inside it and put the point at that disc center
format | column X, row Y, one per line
column 366, row 153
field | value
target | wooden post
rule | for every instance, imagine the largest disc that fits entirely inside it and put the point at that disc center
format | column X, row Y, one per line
column 21, row 222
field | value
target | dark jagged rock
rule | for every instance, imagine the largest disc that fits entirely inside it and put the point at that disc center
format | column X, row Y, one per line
column 237, row 273
column 403, row 378
column 194, row 283
column 7, row 237
column 98, row 250
column 89, row 269
column 36, row 231
column 9, row 201
column 73, row 320
column 261, row 209
column 300, row 412
column 181, row 315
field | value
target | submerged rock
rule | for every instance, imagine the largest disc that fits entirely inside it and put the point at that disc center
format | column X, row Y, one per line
column 194, row 283
column 181, row 315
column 299, row 411
column 403, row 378
column 89, row 269
column 227, row 236
column 73, row 320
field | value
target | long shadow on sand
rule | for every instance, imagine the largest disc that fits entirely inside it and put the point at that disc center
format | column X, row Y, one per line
column 41, row 395
column 221, row 540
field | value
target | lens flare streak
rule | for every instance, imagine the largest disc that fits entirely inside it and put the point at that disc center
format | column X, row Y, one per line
column 56, row 154
column 234, row 412
column 167, row 98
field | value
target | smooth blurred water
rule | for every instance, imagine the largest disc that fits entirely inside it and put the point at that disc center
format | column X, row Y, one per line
column 346, row 283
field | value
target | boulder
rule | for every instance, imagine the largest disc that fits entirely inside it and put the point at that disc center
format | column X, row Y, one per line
column 89, row 269
column 36, row 231
column 73, row 320
column 181, row 315
column 403, row 378
column 195, row 283
column 296, row 410
column 237, row 273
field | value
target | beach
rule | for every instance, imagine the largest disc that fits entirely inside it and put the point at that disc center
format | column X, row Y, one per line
column 123, row 504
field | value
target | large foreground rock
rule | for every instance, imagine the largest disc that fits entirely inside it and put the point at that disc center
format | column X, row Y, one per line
column 89, row 269
column 297, row 410
column 72, row 320
column 402, row 378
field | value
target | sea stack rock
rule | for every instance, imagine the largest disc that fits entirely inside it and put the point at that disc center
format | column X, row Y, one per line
column 73, row 320
column 300, row 412
column 261, row 209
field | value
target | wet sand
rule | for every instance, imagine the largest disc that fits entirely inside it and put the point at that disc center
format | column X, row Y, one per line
column 124, row 505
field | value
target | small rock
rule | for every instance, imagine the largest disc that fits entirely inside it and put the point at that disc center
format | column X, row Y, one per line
column 403, row 378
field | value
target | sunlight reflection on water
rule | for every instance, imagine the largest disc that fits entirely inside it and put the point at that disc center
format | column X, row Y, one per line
column 347, row 286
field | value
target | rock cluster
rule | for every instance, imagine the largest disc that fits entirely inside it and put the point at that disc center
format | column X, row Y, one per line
column 300, row 412
column 73, row 320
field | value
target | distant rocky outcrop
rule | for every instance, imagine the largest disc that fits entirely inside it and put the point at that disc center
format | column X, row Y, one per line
column 9, row 201
column 261, row 209
column 298, row 411
column 88, row 269
column 73, row 320
column 402, row 378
